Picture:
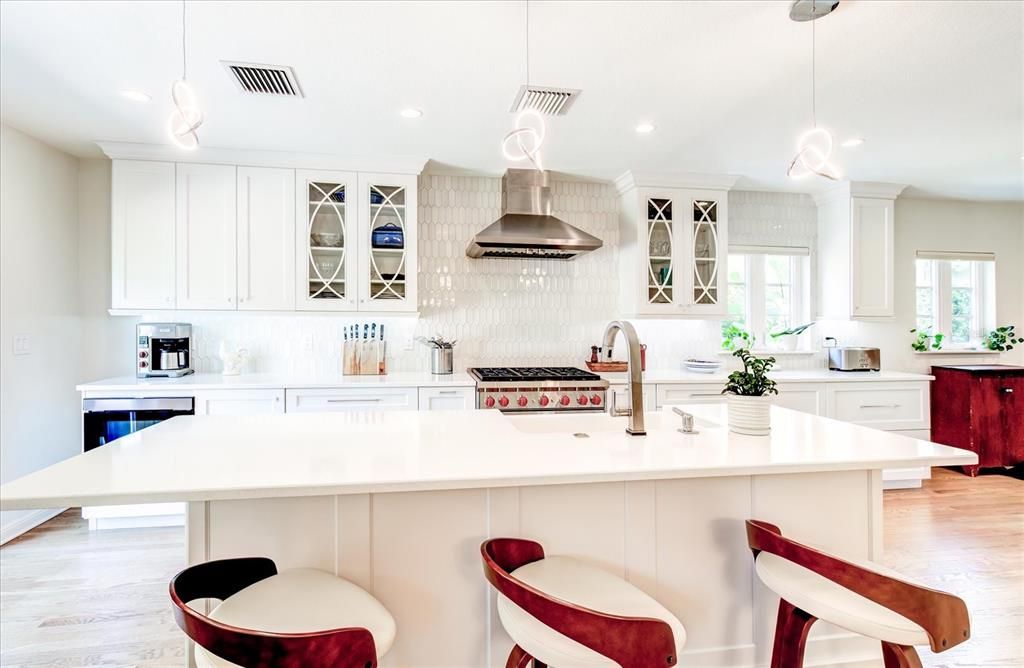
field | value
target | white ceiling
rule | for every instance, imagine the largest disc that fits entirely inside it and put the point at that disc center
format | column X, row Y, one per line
column 934, row 87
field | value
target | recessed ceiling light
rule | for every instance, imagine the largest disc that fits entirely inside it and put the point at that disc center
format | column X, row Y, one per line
column 852, row 142
column 136, row 95
column 644, row 128
column 411, row 112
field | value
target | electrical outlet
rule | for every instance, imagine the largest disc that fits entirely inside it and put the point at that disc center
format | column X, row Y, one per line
column 21, row 344
column 307, row 343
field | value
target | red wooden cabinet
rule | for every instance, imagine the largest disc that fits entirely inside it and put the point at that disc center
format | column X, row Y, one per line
column 980, row 408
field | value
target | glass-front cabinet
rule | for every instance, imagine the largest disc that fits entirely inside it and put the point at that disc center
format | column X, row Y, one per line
column 387, row 280
column 355, row 241
column 676, row 238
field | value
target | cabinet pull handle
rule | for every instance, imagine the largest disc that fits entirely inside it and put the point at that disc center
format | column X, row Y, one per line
column 879, row 405
column 1008, row 390
column 355, row 399
column 448, row 392
column 705, row 396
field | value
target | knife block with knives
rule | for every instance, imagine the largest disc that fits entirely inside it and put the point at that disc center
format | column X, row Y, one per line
column 364, row 351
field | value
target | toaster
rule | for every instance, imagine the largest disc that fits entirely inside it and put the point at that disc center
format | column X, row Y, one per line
column 854, row 359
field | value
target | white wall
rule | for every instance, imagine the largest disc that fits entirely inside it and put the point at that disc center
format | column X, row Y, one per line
column 38, row 300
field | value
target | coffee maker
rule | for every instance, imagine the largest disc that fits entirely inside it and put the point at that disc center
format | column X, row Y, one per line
column 164, row 349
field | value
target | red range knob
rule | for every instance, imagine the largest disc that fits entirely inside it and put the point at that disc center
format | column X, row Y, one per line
column 522, row 401
column 143, row 365
column 489, row 402
column 564, row 400
column 596, row 399
column 544, row 400
column 143, row 354
column 582, row 400
column 503, row 401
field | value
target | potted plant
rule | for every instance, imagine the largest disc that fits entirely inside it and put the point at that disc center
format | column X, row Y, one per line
column 787, row 339
column 735, row 337
column 1002, row 339
column 748, row 395
column 925, row 340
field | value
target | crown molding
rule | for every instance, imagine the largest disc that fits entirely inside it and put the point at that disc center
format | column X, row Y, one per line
column 869, row 189
column 249, row 158
column 633, row 179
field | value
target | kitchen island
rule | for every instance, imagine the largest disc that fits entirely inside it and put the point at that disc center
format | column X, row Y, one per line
column 400, row 502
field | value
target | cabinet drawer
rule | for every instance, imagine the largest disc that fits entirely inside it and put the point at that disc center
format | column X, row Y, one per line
column 239, row 402
column 447, row 398
column 802, row 397
column 351, row 399
column 622, row 396
column 670, row 395
column 883, row 406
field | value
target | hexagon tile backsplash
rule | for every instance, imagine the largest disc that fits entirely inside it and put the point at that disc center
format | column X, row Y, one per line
column 501, row 311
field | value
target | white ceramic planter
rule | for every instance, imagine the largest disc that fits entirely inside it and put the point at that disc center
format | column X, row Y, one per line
column 749, row 415
column 787, row 342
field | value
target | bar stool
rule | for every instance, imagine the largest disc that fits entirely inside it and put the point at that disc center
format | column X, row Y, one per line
column 299, row 617
column 564, row 612
column 860, row 596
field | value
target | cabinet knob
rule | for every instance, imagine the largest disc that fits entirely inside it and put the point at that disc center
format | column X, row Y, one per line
column 1008, row 390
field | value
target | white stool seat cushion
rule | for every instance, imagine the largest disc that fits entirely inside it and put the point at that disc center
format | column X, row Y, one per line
column 584, row 585
column 833, row 603
column 302, row 600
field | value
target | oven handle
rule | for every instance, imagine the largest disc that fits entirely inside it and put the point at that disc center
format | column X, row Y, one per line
column 180, row 404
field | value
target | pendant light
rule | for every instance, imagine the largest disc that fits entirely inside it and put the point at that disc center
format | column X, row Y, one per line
column 814, row 147
column 528, row 135
column 186, row 117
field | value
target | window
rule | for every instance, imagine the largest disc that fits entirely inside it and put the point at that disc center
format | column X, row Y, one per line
column 955, row 296
column 768, row 289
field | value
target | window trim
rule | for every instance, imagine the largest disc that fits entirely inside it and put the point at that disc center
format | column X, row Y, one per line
column 982, row 303
column 755, row 317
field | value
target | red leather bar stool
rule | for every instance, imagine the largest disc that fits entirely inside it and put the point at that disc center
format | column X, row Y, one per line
column 860, row 596
column 297, row 618
column 564, row 612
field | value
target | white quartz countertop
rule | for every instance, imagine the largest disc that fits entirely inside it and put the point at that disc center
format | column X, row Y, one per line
column 226, row 457
column 256, row 381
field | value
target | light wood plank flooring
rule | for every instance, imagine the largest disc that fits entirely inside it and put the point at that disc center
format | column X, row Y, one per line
column 69, row 597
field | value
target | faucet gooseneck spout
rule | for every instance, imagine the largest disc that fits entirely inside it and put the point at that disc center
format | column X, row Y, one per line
column 636, row 383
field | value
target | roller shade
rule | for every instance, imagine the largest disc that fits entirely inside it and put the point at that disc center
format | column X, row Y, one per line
column 964, row 256
column 770, row 250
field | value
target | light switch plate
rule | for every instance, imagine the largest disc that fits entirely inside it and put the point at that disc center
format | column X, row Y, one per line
column 21, row 344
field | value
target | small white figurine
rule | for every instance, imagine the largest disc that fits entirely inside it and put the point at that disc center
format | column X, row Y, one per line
column 233, row 359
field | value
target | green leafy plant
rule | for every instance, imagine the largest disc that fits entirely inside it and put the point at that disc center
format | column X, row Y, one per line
column 1002, row 339
column 925, row 340
column 753, row 381
column 792, row 331
column 731, row 332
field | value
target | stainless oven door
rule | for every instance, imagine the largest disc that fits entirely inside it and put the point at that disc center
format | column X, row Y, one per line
column 106, row 420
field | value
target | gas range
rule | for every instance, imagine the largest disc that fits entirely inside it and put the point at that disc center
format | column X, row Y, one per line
column 538, row 389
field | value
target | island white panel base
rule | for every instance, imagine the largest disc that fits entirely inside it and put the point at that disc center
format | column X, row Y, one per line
column 681, row 540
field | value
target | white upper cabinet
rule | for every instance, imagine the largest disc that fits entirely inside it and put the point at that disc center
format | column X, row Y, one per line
column 205, row 233
column 266, row 239
column 387, row 242
column 674, row 247
column 142, row 235
column 856, row 232
column 326, row 240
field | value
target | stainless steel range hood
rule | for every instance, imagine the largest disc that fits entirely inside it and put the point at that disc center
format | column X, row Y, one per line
column 526, row 228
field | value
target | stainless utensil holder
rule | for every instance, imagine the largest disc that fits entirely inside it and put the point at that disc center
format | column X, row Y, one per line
column 366, row 357
column 442, row 361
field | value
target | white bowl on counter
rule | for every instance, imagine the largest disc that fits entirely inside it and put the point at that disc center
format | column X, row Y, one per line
column 702, row 366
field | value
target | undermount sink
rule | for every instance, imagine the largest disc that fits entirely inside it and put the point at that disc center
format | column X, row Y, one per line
column 596, row 423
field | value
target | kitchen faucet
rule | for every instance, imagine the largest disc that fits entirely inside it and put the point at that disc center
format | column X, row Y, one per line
column 636, row 383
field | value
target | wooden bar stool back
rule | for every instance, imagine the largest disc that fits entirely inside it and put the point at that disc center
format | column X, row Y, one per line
column 862, row 597
column 565, row 612
column 297, row 618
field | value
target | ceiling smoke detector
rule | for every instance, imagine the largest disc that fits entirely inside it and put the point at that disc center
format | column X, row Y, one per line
column 264, row 79
column 546, row 100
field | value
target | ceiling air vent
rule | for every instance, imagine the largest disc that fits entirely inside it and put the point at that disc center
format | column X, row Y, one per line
column 545, row 99
column 264, row 79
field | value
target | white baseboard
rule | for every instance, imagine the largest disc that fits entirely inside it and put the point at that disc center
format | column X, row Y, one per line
column 27, row 522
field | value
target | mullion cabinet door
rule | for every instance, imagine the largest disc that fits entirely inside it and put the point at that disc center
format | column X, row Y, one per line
column 659, row 252
column 706, row 252
column 387, row 240
column 326, row 240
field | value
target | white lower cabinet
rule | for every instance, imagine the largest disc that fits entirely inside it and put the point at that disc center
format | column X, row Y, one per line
column 352, row 399
column 622, row 396
column 447, row 398
column 671, row 395
column 803, row 397
column 239, row 402
column 886, row 406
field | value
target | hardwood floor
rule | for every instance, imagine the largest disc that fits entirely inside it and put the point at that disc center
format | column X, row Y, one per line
column 69, row 597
